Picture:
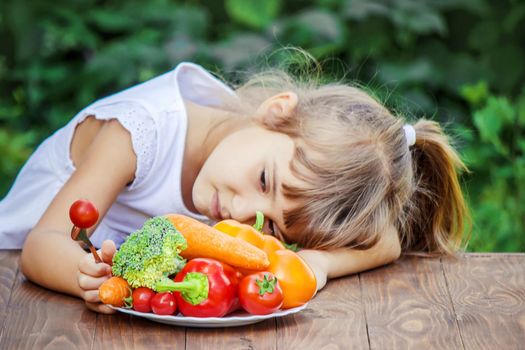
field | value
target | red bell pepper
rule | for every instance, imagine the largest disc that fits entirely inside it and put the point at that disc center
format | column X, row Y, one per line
column 204, row 288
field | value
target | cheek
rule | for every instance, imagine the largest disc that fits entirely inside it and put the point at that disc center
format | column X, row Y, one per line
column 215, row 166
column 198, row 194
column 229, row 162
column 207, row 180
column 213, row 174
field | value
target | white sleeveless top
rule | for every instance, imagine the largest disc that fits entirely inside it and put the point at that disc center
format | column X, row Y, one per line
column 154, row 114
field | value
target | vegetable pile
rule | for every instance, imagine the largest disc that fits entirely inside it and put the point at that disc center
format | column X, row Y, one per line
column 177, row 264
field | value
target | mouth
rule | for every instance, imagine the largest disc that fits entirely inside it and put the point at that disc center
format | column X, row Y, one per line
column 216, row 207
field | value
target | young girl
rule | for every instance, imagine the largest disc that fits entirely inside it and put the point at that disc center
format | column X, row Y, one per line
column 329, row 166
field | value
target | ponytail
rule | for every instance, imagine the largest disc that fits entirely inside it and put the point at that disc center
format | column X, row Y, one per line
column 436, row 214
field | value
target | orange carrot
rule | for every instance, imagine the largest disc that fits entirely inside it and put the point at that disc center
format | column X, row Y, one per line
column 206, row 242
column 114, row 291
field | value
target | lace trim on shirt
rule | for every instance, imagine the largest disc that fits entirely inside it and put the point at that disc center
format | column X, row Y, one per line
column 140, row 124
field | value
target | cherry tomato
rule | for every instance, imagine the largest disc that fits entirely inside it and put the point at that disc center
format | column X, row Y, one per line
column 83, row 213
column 260, row 293
column 164, row 304
column 142, row 299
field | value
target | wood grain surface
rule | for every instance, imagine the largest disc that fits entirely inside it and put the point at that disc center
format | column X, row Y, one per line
column 255, row 336
column 488, row 293
column 38, row 318
column 407, row 306
column 474, row 302
column 334, row 319
column 121, row 331
column 8, row 271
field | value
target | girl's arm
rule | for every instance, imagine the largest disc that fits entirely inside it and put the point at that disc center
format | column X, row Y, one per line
column 104, row 166
column 345, row 261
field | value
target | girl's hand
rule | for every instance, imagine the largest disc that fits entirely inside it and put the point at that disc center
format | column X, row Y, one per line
column 318, row 262
column 91, row 275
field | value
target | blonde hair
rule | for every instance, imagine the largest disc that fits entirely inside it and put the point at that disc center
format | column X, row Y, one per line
column 362, row 176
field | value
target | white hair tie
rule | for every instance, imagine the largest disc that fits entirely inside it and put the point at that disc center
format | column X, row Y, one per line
column 410, row 134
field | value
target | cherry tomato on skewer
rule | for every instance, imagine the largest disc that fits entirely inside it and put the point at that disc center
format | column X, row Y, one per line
column 83, row 213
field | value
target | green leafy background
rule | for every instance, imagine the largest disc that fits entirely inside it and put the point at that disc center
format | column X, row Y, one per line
column 457, row 61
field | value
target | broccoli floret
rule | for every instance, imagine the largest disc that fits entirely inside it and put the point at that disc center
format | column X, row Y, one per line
column 150, row 254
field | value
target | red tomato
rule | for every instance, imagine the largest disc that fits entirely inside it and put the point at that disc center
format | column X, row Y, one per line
column 83, row 213
column 142, row 299
column 260, row 293
column 164, row 304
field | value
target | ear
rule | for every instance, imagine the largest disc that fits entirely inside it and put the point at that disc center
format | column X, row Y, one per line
column 278, row 107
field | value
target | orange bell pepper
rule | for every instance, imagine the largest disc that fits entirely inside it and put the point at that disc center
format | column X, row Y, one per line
column 243, row 231
column 271, row 244
column 251, row 234
column 296, row 278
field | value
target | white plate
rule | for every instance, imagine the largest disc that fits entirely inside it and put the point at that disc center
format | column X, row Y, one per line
column 238, row 318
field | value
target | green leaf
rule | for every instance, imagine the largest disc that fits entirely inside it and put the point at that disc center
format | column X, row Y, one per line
column 112, row 21
column 294, row 247
column 475, row 94
column 253, row 13
column 514, row 18
column 239, row 49
column 416, row 71
column 190, row 21
column 368, row 40
column 362, row 9
column 325, row 31
column 520, row 108
column 521, row 145
column 491, row 120
column 420, row 20
column 484, row 35
column 505, row 65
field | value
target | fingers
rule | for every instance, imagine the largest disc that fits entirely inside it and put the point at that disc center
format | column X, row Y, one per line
column 89, row 283
column 91, row 275
column 91, row 296
column 89, row 267
column 101, row 308
column 108, row 250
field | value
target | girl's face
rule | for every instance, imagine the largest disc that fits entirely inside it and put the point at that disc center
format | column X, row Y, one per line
column 244, row 174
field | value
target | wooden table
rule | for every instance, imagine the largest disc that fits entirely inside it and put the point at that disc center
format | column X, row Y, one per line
column 476, row 302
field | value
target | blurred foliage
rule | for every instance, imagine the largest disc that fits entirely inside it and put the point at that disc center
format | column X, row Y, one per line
column 495, row 153
column 457, row 61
